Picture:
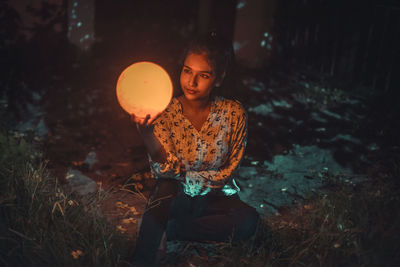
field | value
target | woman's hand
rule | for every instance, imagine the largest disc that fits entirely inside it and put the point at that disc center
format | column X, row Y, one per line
column 144, row 125
column 145, row 128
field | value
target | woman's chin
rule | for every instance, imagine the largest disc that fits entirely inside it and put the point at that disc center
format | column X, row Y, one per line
column 191, row 96
column 195, row 97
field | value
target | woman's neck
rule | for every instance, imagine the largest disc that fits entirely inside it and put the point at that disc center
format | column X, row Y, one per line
column 199, row 105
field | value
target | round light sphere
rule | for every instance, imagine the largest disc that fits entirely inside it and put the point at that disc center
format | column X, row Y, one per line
column 144, row 88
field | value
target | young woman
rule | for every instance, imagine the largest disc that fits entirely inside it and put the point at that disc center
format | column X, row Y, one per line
column 195, row 147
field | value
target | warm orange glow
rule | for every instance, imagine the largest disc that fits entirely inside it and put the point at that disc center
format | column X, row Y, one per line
column 144, row 88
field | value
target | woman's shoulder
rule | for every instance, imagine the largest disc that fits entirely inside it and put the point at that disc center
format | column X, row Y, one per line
column 173, row 106
column 169, row 113
column 230, row 104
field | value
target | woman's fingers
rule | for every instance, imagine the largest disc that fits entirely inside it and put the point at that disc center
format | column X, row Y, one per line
column 132, row 117
column 154, row 117
column 146, row 120
column 138, row 120
column 143, row 123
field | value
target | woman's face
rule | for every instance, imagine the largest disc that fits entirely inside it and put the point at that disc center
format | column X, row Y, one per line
column 197, row 77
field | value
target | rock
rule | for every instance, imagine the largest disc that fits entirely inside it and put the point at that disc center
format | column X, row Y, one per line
column 89, row 161
column 80, row 183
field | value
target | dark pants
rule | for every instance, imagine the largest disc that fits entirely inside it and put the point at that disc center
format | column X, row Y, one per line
column 213, row 217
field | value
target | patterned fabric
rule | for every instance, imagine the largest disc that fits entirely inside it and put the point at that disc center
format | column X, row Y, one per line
column 210, row 156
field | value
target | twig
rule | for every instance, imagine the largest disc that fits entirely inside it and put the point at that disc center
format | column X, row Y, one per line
column 158, row 200
column 33, row 195
column 57, row 204
column 20, row 234
column 140, row 194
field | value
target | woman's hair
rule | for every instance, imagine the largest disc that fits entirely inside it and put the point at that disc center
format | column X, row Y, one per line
column 219, row 52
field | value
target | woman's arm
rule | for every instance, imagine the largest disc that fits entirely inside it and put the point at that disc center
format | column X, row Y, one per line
column 217, row 178
column 145, row 128
column 156, row 135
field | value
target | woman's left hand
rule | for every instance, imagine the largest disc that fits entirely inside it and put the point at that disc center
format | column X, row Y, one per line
column 144, row 125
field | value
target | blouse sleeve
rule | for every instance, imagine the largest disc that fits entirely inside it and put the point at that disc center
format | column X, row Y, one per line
column 172, row 168
column 219, row 177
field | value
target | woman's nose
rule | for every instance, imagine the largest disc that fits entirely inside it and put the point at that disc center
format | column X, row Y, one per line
column 193, row 81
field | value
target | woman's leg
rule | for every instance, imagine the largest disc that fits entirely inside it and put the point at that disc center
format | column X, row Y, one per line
column 154, row 222
column 218, row 218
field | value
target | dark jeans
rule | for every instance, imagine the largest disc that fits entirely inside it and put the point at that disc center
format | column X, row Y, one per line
column 213, row 217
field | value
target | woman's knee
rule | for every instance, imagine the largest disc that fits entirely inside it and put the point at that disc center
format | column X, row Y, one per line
column 247, row 224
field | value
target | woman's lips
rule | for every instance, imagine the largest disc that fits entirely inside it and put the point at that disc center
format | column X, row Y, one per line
column 190, row 91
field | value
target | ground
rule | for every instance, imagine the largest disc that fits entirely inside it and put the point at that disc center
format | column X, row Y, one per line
column 301, row 133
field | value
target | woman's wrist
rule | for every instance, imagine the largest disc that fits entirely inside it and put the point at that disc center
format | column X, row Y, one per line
column 183, row 175
column 145, row 131
column 154, row 148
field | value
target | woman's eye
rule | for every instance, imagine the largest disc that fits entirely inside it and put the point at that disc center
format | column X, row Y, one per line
column 186, row 70
column 205, row 76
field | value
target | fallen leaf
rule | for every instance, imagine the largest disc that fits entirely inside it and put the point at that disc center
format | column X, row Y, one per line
column 77, row 163
column 129, row 220
column 121, row 228
column 75, row 254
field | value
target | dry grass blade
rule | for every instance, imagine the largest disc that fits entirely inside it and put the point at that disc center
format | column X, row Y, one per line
column 139, row 194
column 30, row 200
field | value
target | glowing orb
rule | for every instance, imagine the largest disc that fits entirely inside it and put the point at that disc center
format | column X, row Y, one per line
column 144, row 88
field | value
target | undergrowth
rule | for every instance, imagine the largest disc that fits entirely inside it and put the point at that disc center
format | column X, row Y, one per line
column 351, row 225
column 41, row 223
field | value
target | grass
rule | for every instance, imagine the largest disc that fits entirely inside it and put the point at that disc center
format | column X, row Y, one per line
column 41, row 223
column 349, row 225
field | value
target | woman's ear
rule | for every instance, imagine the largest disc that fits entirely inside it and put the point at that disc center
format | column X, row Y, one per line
column 220, row 79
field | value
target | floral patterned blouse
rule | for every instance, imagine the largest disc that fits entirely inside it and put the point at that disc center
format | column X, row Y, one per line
column 210, row 156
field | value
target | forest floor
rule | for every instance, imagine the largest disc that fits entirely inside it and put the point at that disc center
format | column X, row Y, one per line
column 304, row 135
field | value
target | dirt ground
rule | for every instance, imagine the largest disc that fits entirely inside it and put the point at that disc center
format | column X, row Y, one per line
column 298, row 132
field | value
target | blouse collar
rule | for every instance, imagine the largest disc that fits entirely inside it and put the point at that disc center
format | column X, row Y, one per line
column 214, row 103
